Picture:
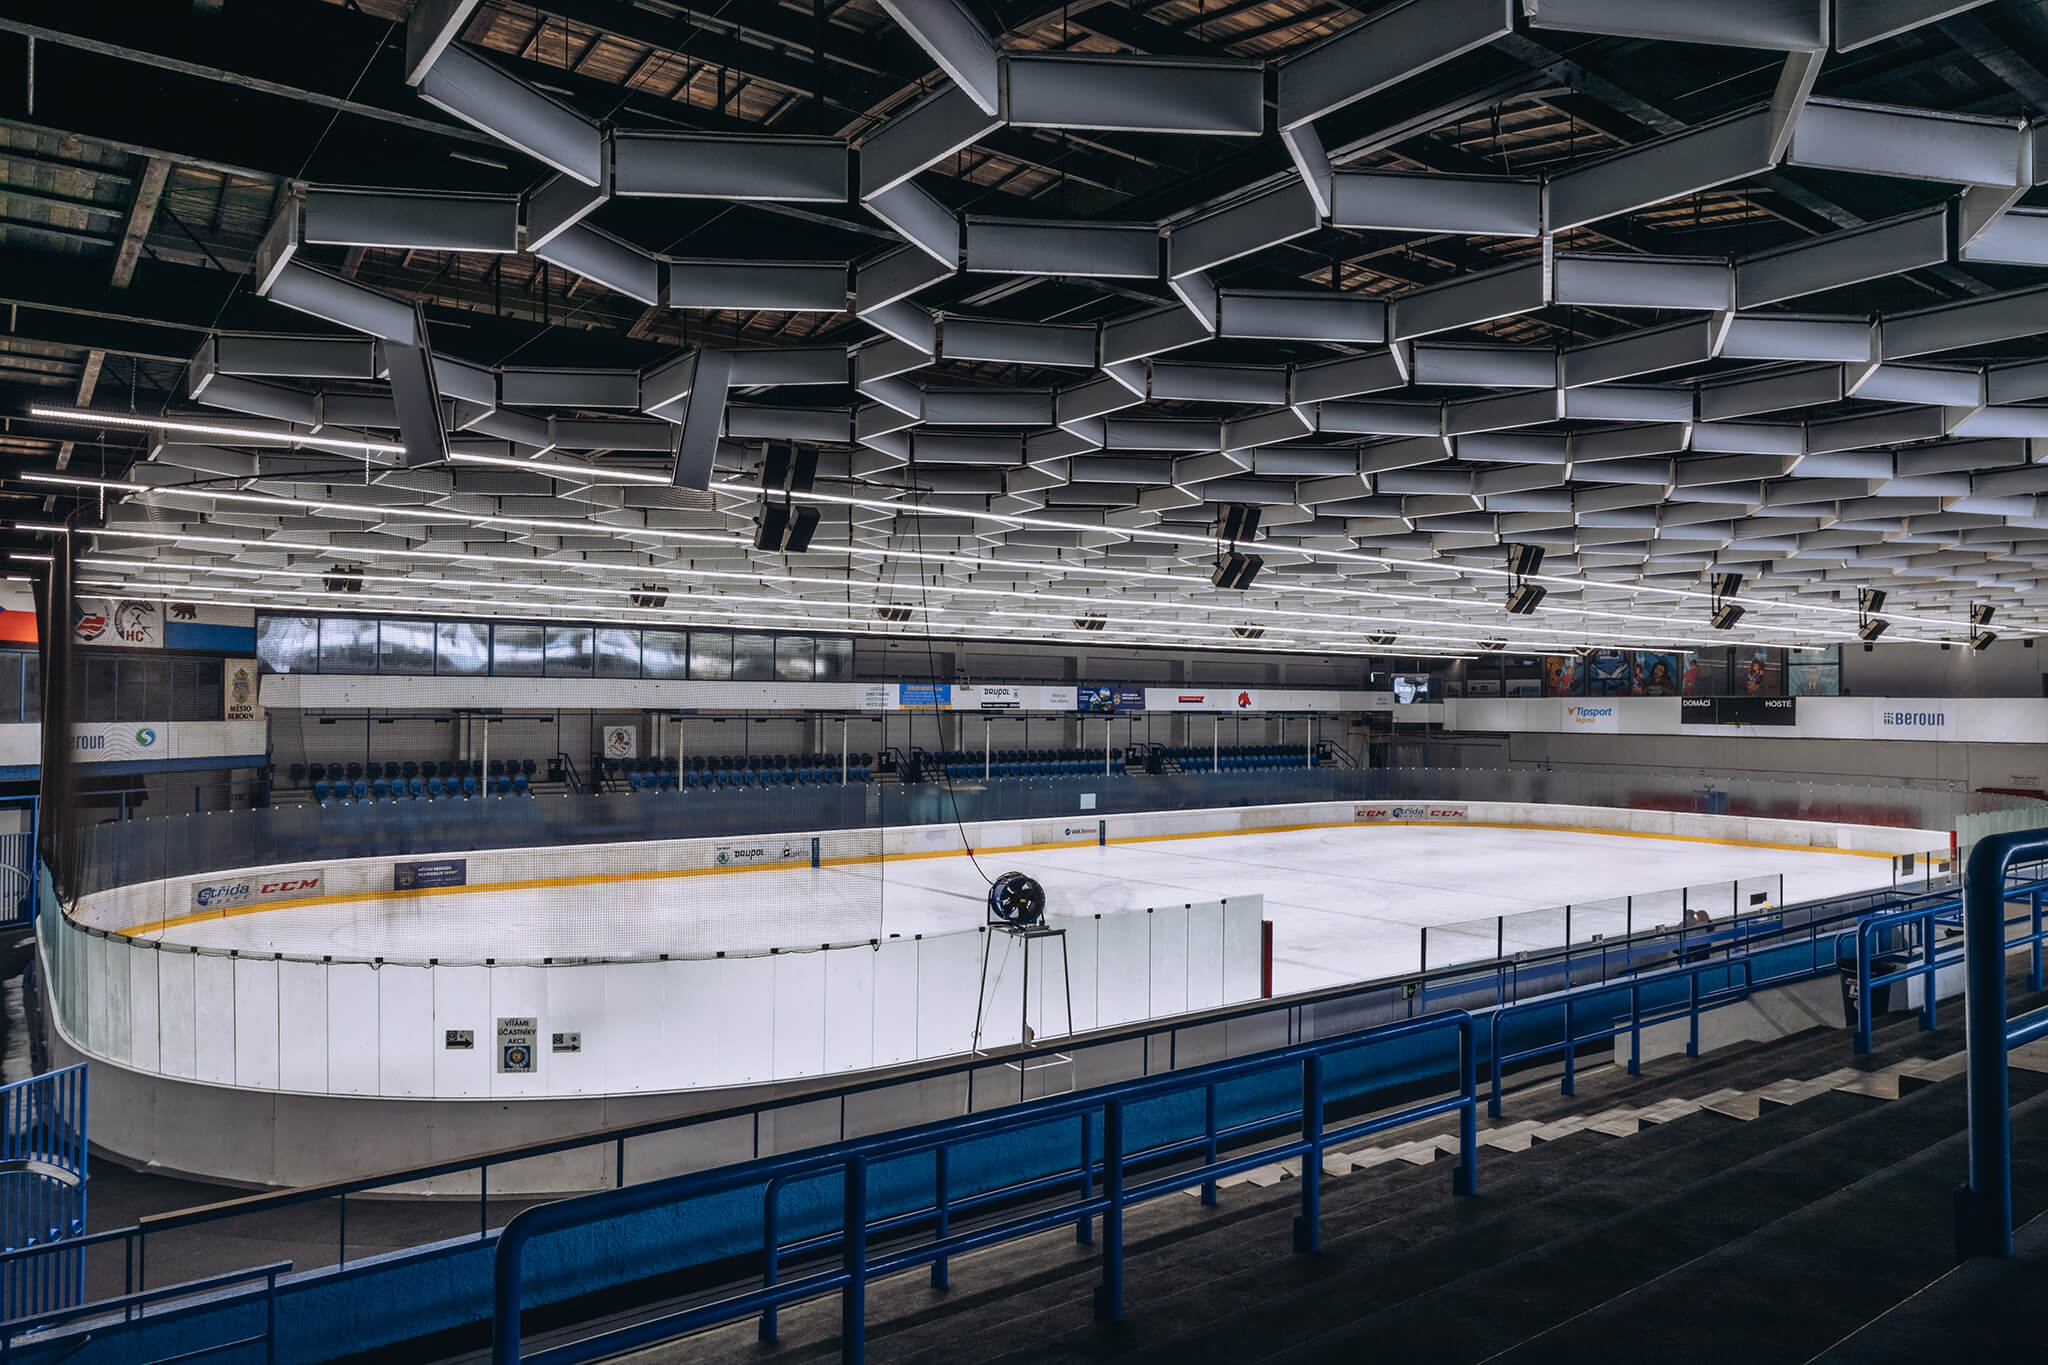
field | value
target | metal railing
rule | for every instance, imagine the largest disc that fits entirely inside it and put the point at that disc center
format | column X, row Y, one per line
column 1900, row 932
column 1111, row 1175
column 1984, row 1203
column 845, row 1107
column 1576, row 1003
column 133, row 1306
column 43, row 1191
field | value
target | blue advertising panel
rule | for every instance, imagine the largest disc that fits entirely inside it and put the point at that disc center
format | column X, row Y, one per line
column 924, row 696
column 1107, row 699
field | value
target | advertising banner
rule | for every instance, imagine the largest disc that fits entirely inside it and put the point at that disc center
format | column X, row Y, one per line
column 1597, row 718
column 117, row 742
column 230, row 893
column 1200, row 699
column 765, row 851
column 1915, row 720
column 1388, row 813
column 991, row 697
column 924, row 696
column 1108, row 699
column 440, row 872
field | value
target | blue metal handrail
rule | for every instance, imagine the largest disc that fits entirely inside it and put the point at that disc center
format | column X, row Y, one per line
column 1571, row 1000
column 1984, row 1202
column 1901, row 930
column 12, row 1329
column 1503, row 978
column 852, row 1160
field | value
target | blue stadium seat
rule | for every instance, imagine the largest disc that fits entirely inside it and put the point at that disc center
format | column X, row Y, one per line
column 355, row 772
column 434, row 788
column 469, row 786
column 359, row 789
column 634, row 780
column 520, row 785
column 497, row 768
column 502, row 785
column 321, row 791
column 380, row 789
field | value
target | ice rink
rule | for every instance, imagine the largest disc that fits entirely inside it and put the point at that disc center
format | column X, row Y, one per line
column 1346, row 903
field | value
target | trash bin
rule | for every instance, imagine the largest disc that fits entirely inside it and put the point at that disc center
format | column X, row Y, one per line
column 1712, row 802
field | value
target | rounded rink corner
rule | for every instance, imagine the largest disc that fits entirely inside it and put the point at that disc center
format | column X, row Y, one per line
column 294, row 1025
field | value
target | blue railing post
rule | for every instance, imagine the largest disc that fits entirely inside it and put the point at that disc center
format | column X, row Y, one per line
column 1209, row 1127
column 1692, row 1037
column 941, row 1165
column 1864, row 947
column 2034, row 972
column 771, row 1251
column 505, row 1284
column 1308, row 1226
column 1109, row 1295
column 1493, row 1063
column 1571, row 1052
column 1465, row 1177
column 853, row 1259
column 1984, row 1204
column 1927, row 992
column 1084, row 1229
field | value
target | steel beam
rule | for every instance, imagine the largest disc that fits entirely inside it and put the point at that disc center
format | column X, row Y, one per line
column 431, row 27
column 1384, row 50
column 920, row 137
column 703, row 420
column 1017, row 343
column 1348, row 376
column 1470, row 299
column 1116, row 93
column 786, row 286
column 1300, row 316
column 1271, row 216
column 1973, row 322
column 1018, row 246
column 920, row 219
column 1391, row 201
column 288, row 357
column 485, row 97
column 1670, row 167
column 1646, row 352
column 539, row 386
column 1919, row 144
column 955, row 39
column 1890, row 247
column 1784, row 25
column 2016, row 237
column 344, row 302
column 618, row 266
column 1487, row 367
column 1644, row 282
column 1779, row 336
column 796, row 170
column 410, row 219
column 1858, row 23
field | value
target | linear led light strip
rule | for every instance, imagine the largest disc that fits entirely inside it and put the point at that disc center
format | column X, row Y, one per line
column 1340, row 556
column 634, row 476
column 1479, row 630
column 1164, row 629
column 246, row 435
column 735, row 541
column 581, row 527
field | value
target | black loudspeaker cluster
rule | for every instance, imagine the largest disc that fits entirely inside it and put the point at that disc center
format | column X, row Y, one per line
column 1236, row 571
column 345, row 578
column 784, row 527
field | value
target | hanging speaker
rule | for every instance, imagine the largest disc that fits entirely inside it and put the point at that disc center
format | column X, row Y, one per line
column 773, row 527
column 803, row 469
column 801, row 527
column 775, row 464
column 1524, row 559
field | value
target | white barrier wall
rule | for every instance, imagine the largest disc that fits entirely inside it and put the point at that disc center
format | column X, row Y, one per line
column 605, row 1028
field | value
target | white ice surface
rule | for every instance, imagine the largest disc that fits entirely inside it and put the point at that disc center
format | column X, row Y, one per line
column 1346, row 904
